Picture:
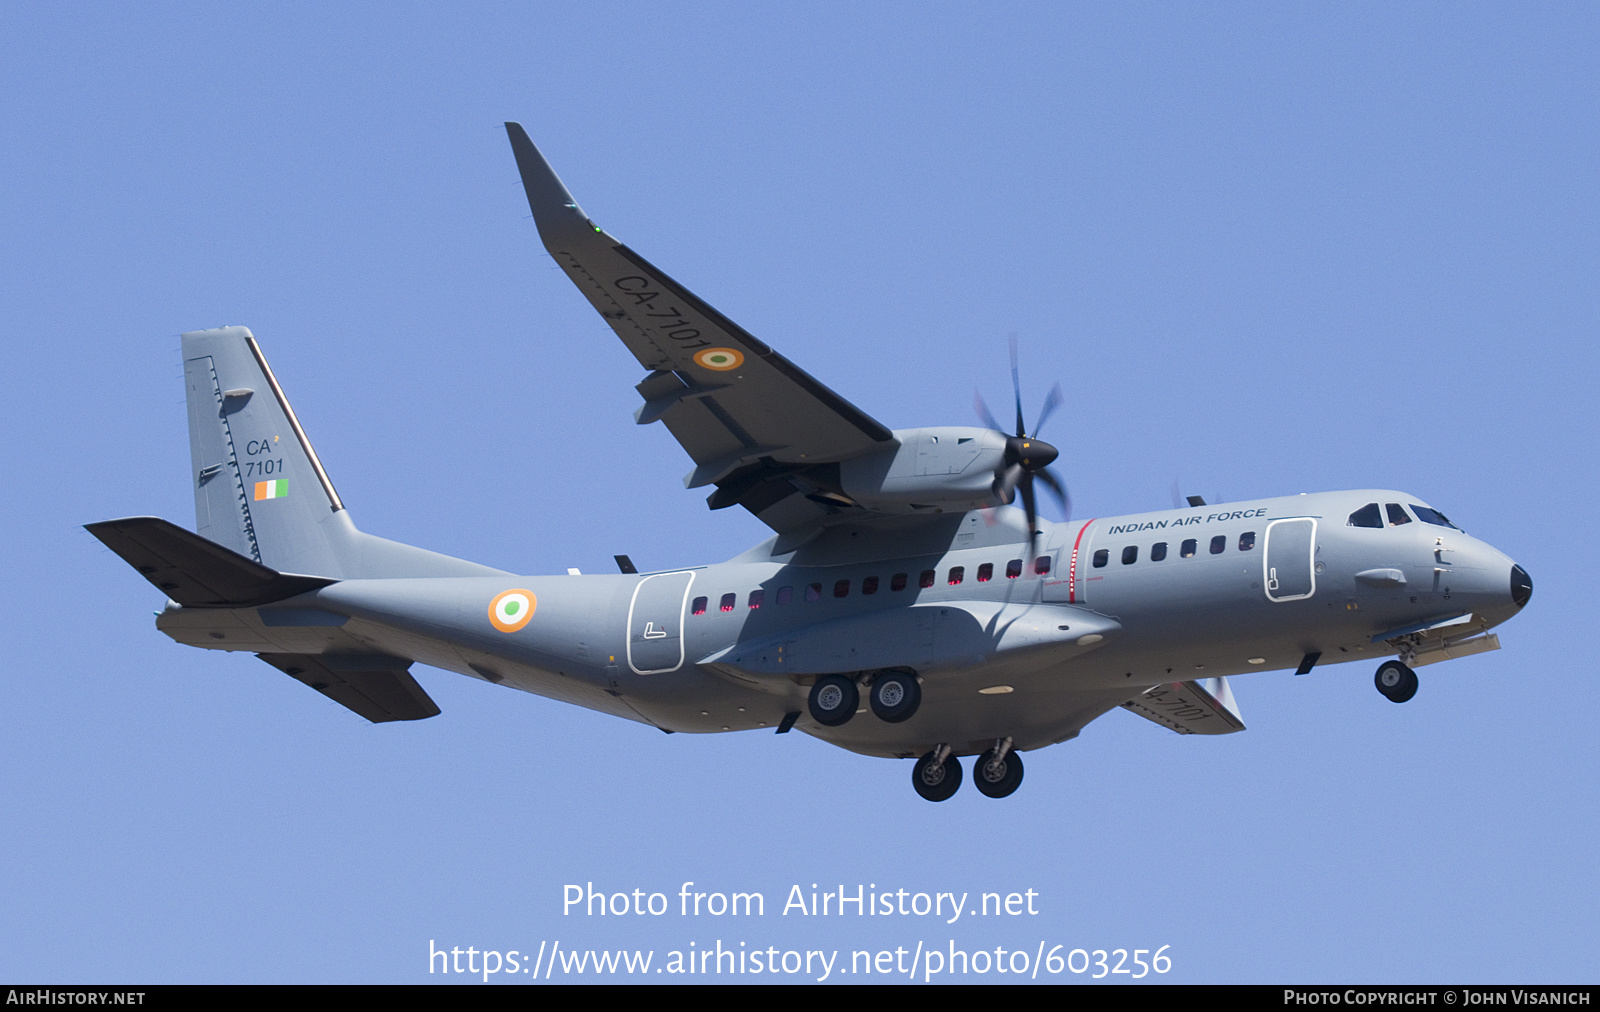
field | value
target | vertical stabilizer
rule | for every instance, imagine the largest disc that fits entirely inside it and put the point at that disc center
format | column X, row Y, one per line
column 258, row 486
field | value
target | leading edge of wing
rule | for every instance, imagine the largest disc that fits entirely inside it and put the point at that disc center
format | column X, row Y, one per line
column 782, row 413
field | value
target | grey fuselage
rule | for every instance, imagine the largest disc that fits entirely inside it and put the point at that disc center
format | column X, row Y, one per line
column 1002, row 651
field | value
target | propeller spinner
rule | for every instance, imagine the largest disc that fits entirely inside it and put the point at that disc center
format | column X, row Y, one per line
column 1026, row 457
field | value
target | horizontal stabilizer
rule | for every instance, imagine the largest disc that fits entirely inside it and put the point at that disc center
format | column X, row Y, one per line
column 378, row 687
column 1203, row 707
column 195, row 571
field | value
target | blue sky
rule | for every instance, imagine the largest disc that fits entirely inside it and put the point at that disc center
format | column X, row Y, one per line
column 1265, row 248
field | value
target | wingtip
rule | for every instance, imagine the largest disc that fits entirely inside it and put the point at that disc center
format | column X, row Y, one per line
column 559, row 218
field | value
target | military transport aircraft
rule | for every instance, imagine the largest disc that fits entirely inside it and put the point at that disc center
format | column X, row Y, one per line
column 897, row 570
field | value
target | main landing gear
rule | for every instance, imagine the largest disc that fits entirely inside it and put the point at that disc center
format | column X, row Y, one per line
column 996, row 773
column 937, row 775
column 833, row 700
column 1396, row 681
column 894, row 695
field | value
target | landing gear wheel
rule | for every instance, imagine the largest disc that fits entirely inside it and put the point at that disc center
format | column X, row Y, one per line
column 834, row 700
column 1397, row 682
column 936, row 781
column 997, row 779
column 895, row 696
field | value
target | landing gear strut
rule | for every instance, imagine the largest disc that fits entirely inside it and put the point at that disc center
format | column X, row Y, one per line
column 833, row 700
column 937, row 775
column 1396, row 681
column 998, row 771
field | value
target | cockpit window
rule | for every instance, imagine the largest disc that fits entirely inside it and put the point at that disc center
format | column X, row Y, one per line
column 1366, row 516
column 1397, row 515
column 1434, row 517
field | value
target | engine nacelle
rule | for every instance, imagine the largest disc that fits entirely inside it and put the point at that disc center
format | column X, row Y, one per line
column 946, row 468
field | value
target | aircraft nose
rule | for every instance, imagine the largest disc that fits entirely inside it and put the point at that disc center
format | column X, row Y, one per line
column 1521, row 585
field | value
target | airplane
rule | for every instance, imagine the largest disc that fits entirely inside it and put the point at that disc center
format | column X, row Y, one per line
column 902, row 607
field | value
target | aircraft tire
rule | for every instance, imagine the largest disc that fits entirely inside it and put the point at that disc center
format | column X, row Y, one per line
column 894, row 696
column 833, row 700
column 940, row 785
column 1397, row 682
column 997, row 780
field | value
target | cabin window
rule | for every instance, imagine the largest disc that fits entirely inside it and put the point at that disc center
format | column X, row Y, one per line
column 699, row 606
column 1434, row 517
column 1130, row 555
column 1041, row 565
column 1219, row 544
column 957, row 574
column 1013, row 569
column 785, row 595
column 1158, row 551
column 897, row 581
column 986, row 572
column 813, row 592
column 1397, row 514
column 756, row 597
column 1366, row 516
column 869, row 585
column 841, row 588
column 1247, row 541
column 1188, row 549
column 727, row 601
column 1101, row 558
column 928, row 576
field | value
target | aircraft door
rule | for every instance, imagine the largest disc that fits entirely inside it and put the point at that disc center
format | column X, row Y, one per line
column 1290, row 558
column 655, row 623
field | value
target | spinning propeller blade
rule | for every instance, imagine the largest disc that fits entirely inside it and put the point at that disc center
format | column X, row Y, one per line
column 1026, row 457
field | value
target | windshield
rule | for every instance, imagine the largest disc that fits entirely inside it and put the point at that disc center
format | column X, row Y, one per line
column 1434, row 517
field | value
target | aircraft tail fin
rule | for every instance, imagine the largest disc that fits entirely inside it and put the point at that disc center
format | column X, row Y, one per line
column 260, row 490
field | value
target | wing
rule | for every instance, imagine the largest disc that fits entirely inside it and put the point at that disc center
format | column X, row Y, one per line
column 748, row 417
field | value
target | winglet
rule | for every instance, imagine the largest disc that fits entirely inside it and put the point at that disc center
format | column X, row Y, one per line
column 561, row 221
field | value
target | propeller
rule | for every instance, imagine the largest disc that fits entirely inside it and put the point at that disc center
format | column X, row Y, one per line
column 1026, row 457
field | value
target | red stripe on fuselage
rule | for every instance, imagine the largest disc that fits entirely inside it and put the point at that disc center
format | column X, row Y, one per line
column 1072, row 567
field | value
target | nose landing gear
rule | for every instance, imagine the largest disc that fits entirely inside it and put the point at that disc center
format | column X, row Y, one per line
column 1396, row 681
